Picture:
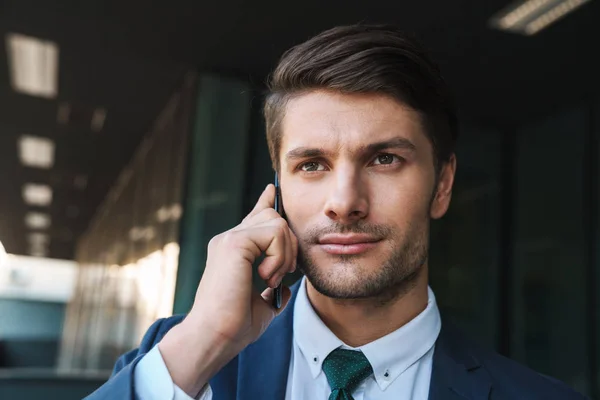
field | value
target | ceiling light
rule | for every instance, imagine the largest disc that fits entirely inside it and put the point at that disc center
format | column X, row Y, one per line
column 98, row 119
column 37, row 195
column 33, row 65
column 36, row 151
column 531, row 16
column 36, row 220
column 142, row 233
column 163, row 214
column 38, row 240
column 38, row 248
column 38, row 253
column 176, row 211
column 172, row 213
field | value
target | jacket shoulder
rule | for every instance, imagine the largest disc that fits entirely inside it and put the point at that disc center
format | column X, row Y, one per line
column 512, row 380
column 508, row 378
column 515, row 380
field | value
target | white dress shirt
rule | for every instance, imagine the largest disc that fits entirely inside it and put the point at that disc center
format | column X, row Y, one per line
column 401, row 360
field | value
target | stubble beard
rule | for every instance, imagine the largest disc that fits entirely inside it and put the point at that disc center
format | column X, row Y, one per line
column 396, row 276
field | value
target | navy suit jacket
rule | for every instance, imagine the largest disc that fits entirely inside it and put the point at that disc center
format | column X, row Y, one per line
column 461, row 369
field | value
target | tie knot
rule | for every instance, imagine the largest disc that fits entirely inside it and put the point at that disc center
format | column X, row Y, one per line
column 346, row 369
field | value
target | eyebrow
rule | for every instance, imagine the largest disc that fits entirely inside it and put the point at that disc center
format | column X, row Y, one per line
column 395, row 143
column 306, row 152
column 313, row 152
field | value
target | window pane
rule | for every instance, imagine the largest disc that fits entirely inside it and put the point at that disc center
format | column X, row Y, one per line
column 549, row 331
column 596, row 125
column 465, row 243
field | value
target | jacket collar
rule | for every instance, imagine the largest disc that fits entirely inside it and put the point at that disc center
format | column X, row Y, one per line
column 263, row 367
column 457, row 372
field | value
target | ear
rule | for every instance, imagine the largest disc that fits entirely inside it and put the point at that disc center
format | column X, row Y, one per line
column 443, row 194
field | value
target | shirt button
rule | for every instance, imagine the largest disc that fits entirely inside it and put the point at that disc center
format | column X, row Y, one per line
column 316, row 359
column 386, row 375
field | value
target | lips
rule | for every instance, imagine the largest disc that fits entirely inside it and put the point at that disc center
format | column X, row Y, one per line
column 352, row 244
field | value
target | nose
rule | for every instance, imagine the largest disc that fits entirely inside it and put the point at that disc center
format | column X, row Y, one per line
column 347, row 201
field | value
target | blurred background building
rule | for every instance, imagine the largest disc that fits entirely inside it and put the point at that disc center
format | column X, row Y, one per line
column 131, row 133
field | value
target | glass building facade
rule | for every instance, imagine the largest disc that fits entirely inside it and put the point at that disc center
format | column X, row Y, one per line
column 515, row 262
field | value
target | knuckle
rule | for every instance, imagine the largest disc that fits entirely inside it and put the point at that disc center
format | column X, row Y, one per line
column 279, row 259
column 214, row 241
column 281, row 224
column 230, row 238
column 280, row 230
column 270, row 213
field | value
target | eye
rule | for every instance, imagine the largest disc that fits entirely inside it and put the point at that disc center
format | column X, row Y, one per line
column 312, row 166
column 386, row 159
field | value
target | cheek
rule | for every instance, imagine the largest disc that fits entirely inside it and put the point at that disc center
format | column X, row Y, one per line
column 401, row 201
column 300, row 206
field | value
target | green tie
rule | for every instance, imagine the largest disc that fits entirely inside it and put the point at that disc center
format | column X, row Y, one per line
column 345, row 370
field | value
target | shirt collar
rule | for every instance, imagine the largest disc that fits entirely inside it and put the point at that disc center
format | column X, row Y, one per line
column 410, row 342
column 312, row 336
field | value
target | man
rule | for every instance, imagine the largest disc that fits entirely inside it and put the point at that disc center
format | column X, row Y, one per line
column 361, row 130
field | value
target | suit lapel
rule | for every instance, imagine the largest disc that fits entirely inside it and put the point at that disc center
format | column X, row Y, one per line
column 264, row 365
column 457, row 374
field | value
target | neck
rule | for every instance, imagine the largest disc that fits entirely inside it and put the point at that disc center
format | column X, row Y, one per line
column 357, row 322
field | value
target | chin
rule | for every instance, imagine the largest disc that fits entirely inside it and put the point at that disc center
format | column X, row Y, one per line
column 345, row 278
column 381, row 273
column 360, row 277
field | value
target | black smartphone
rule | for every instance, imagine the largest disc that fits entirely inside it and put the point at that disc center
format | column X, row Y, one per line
column 279, row 208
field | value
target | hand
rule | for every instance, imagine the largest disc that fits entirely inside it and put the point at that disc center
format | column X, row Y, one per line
column 228, row 314
column 226, row 301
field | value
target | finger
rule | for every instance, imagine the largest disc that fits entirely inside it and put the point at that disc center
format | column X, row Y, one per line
column 294, row 240
column 275, row 266
column 273, row 262
column 268, row 294
column 263, row 216
column 266, row 200
column 272, row 269
column 270, row 238
column 288, row 262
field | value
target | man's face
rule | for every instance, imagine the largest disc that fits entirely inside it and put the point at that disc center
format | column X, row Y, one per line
column 358, row 188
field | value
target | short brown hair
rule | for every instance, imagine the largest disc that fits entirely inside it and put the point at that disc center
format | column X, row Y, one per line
column 364, row 59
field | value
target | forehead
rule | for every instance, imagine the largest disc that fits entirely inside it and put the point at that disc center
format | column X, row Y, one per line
column 348, row 121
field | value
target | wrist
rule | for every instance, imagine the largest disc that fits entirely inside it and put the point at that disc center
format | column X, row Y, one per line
column 194, row 355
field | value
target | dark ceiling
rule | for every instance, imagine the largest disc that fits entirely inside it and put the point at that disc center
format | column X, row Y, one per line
column 128, row 56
